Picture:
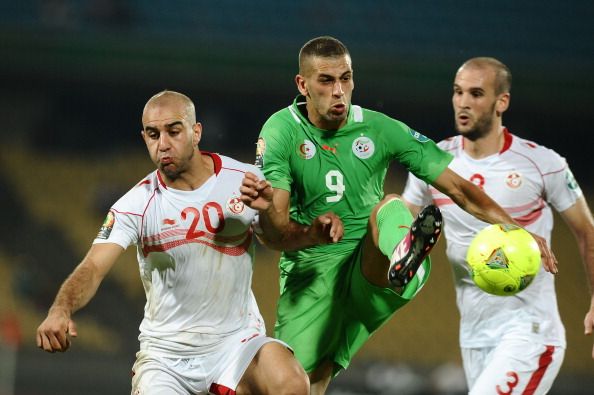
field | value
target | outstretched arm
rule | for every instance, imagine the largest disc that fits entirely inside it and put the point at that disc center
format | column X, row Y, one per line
column 77, row 290
column 579, row 219
column 472, row 199
column 277, row 230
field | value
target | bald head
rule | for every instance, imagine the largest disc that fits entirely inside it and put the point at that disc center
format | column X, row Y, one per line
column 172, row 99
column 503, row 77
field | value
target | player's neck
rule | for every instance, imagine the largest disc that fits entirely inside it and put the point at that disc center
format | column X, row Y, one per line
column 321, row 123
column 200, row 169
column 487, row 145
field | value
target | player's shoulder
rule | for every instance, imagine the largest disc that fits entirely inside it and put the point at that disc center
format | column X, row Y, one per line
column 543, row 157
column 283, row 118
column 136, row 198
column 450, row 144
column 231, row 164
column 377, row 119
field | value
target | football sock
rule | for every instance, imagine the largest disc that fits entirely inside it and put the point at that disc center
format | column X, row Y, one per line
column 393, row 221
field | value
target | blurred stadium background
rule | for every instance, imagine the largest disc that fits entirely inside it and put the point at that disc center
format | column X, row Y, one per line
column 75, row 75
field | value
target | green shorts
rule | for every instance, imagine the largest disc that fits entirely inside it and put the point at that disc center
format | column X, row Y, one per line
column 329, row 314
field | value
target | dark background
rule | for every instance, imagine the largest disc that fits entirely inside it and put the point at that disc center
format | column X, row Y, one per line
column 74, row 77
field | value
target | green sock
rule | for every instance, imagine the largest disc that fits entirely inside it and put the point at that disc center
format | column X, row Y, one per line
column 393, row 221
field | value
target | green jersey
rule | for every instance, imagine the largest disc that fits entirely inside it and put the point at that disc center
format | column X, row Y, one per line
column 341, row 171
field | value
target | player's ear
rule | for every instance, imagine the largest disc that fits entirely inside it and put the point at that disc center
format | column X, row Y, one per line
column 502, row 103
column 301, row 84
column 196, row 133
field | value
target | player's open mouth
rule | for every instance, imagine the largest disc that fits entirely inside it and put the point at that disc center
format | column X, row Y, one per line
column 339, row 108
column 463, row 119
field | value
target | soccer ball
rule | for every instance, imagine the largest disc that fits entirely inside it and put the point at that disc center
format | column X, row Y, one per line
column 503, row 258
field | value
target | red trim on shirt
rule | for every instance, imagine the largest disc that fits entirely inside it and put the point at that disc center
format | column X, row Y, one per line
column 216, row 159
column 543, row 363
column 531, row 217
column 507, row 140
column 161, row 182
column 219, row 389
column 227, row 250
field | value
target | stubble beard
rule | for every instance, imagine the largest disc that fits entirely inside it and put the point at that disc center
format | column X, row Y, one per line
column 173, row 171
column 480, row 129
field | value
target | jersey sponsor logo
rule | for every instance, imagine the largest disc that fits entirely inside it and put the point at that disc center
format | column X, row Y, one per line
column 478, row 180
column 235, row 205
column 260, row 150
column 307, row 150
column 363, row 147
column 513, row 180
column 107, row 226
column 168, row 221
column 418, row 136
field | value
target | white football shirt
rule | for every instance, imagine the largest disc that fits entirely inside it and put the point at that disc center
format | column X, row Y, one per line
column 195, row 256
column 526, row 179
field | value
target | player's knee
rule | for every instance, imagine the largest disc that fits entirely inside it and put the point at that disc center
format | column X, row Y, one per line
column 291, row 382
column 388, row 198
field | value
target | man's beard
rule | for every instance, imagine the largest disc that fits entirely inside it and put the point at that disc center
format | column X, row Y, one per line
column 173, row 172
column 481, row 128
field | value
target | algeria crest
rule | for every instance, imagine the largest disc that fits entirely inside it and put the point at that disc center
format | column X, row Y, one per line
column 363, row 147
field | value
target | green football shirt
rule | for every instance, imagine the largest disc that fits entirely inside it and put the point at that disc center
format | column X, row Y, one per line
column 342, row 171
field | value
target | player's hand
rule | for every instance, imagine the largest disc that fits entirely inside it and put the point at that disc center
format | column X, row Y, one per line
column 549, row 261
column 256, row 193
column 55, row 331
column 326, row 228
column 589, row 323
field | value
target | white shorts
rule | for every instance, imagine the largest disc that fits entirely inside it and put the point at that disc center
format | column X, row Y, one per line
column 217, row 371
column 513, row 367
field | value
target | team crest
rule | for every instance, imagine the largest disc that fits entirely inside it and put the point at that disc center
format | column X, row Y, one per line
column 107, row 226
column 260, row 150
column 363, row 147
column 307, row 150
column 235, row 205
column 513, row 180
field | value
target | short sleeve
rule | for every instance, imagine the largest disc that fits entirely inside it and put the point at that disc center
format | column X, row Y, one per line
column 561, row 187
column 418, row 153
column 274, row 145
column 119, row 228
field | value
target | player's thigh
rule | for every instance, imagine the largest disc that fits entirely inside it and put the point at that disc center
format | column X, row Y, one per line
column 519, row 367
column 273, row 370
column 310, row 313
column 373, row 305
column 155, row 376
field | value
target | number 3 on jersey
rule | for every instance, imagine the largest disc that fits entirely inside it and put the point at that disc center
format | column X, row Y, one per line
column 335, row 183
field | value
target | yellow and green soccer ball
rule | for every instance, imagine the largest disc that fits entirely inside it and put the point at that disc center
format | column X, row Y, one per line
column 503, row 259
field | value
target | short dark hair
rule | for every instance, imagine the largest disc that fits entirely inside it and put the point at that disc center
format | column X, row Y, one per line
column 503, row 76
column 324, row 46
